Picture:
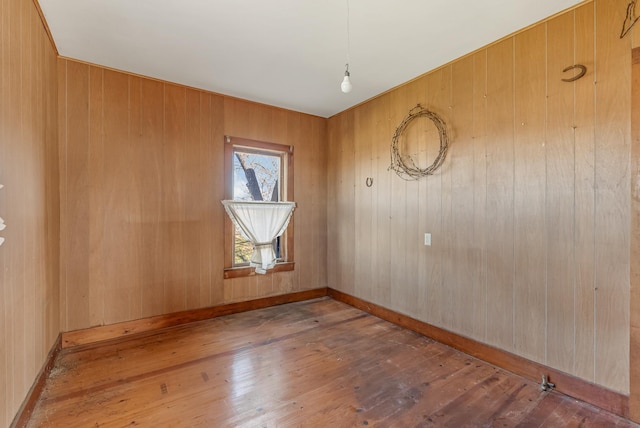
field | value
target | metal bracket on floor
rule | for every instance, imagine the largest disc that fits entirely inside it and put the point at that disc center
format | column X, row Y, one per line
column 546, row 385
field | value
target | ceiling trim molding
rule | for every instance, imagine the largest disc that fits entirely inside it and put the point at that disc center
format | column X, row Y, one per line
column 46, row 26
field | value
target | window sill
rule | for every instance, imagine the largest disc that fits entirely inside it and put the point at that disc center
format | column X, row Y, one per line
column 240, row 272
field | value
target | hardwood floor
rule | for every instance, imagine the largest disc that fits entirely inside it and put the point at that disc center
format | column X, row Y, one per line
column 318, row 363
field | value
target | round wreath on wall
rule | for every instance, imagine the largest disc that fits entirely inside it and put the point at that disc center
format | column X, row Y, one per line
column 403, row 164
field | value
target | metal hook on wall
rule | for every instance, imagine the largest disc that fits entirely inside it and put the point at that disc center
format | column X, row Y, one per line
column 369, row 182
column 630, row 20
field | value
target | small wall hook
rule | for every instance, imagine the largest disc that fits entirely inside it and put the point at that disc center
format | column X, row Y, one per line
column 369, row 182
column 630, row 19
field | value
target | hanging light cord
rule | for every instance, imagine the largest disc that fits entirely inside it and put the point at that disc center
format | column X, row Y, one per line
column 346, row 86
column 348, row 35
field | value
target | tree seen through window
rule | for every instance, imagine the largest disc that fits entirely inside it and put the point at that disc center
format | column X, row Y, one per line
column 256, row 177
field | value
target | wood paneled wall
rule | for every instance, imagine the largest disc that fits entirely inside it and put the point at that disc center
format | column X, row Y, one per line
column 29, row 257
column 530, row 212
column 142, row 177
column 634, row 355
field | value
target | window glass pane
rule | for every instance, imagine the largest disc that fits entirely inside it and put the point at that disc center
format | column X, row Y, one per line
column 256, row 177
column 242, row 249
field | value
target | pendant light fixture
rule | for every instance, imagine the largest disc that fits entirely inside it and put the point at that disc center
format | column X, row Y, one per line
column 346, row 86
column 346, row 83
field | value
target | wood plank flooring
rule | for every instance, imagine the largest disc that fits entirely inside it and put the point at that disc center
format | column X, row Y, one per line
column 318, row 363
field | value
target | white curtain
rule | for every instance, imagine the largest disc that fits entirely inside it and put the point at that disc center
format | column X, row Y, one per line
column 260, row 222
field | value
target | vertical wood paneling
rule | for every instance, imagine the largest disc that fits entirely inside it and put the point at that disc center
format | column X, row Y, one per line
column 399, row 244
column 151, row 228
column 634, row 34
column 41, row 277
column 425, row 222
column 319, row 205
column 480, row 236
column 467, row 293
column 381, row 200
column 298, row 126
column 560, row 200
column 530, row 211
column 201, row 135
column 441, row 98
column 32, row 167
column 173, row 204
column 133, row 225
column 334, row 190
column 5, row 409
column 242, row 288
column 135, row 206
column 584, row 105
column 29, row 202
column 147, row 177
column 416, row 143
column 634, row 351
column 345, row 213
column 363, row 201
column 112, row 169
column 155, row 261
column 62, row 162
column 306, row 134
column 49, row 83
column 16, row 235
column 6, row 358
column 77, row 182
column 284, row 283
column 193, row 170
column 612, row 197
column 215, row 182
column 93, row 168
column 437, row 204
column 529, row 194
column 500, row 183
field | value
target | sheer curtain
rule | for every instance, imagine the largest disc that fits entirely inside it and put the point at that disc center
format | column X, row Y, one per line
column 260, row 222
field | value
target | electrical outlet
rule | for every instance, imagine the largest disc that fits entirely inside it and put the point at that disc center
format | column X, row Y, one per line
column 427, row 239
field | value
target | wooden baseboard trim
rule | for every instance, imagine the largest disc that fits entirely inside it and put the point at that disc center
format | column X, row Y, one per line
column 114, row 331
column 566, row 384
column 24, row 413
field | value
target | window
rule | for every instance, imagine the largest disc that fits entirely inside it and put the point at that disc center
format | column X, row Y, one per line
column 256, row 171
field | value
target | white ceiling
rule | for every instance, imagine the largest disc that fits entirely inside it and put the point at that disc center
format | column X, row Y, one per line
column 286, row 53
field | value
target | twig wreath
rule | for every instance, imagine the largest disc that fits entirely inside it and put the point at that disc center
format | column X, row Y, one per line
column 404, row 165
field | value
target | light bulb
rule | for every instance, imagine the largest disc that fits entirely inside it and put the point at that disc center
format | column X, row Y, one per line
column 346, row 83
